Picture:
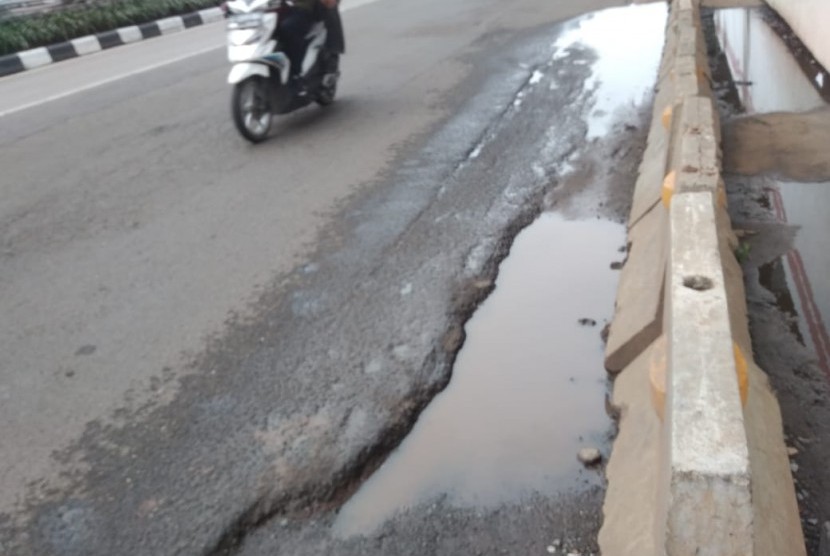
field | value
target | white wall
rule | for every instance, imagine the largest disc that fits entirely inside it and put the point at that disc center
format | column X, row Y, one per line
column 809, row 19
column 757, row 55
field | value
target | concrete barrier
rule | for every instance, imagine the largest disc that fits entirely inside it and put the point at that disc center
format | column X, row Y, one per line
column 699, row 466
column 638, row 312
column 705, row 465
column 638, row 319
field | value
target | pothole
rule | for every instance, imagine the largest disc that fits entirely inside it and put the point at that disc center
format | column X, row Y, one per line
column 528, row 388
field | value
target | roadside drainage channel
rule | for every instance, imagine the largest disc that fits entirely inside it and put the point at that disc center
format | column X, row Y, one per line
column 778, row 190
column 528, row 388
column 770, row 78
column 808, row 263
column 699, row 465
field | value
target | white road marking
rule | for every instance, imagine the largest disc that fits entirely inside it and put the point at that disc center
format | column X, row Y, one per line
column 346, row 5
column 107, row 81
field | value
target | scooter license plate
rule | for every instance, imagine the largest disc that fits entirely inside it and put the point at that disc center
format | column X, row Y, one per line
column 245, row 21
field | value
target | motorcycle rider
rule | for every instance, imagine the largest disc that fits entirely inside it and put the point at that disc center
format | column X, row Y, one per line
column 295, row 27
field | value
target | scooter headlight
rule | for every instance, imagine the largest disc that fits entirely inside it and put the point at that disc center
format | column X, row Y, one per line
column 253, row 20
column 245, row 29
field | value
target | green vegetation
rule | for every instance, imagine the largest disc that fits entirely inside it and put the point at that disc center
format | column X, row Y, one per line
column 742, row 252
column 31, row 31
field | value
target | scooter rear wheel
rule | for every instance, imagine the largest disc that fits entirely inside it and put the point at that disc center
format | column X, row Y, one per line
column 331, row 70
column 327, row 95
column 251, row 109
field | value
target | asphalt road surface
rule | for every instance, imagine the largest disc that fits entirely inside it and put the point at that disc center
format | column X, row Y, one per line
column 199, row 335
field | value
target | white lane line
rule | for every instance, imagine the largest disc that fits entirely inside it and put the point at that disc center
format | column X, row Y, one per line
column 109, row 80
column 346, row 6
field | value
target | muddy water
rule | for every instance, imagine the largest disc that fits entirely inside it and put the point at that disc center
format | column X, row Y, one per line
column 770, row 78
column 528, row 388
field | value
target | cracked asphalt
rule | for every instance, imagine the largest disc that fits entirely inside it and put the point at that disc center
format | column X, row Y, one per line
column 207, row 347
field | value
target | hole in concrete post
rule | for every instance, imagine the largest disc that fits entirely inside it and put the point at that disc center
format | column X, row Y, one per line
column 698, row 283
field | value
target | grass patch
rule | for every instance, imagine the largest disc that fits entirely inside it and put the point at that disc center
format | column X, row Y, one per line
column 742, row 252
column 43, row 29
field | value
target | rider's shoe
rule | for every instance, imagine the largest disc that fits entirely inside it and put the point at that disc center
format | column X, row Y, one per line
column 299, row 86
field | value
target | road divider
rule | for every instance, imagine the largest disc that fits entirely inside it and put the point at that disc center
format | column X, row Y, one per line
column 38, row 57
column 699, row 466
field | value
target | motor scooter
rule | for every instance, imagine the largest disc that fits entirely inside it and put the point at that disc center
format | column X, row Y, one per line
column 261, row 69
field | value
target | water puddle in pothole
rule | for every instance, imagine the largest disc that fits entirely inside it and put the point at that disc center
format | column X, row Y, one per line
column 628, row 42
column 528, row 388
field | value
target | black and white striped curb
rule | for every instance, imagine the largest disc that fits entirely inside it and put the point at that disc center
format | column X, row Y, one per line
column 30, row 59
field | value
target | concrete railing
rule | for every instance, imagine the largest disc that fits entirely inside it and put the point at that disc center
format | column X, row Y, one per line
column 699, row 467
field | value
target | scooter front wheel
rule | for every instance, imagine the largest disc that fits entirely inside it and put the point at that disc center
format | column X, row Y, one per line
column 252, row 109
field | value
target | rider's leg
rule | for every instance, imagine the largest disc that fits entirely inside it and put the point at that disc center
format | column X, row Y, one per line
column 293, row 31
column 335, row 42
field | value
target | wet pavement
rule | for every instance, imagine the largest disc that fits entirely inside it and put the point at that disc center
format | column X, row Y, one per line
column 286, row 413
column 528, row 388
column 619, row 71
column 490, row 466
